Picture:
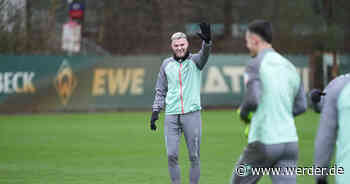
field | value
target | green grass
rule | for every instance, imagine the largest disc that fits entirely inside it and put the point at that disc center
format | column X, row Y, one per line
column 119, row 148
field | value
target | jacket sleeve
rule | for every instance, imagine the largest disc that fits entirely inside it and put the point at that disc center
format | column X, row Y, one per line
column 328, row 127
column 252, row 91
column 300, row 101
column 327, row 131
column 161, row 90
column 201, row 58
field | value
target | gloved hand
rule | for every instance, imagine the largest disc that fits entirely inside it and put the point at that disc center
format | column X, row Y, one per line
column 245, row 118
column 315, row 95
column 321, row 181
column 205, row 32
column 246, row 121
column 154, row 118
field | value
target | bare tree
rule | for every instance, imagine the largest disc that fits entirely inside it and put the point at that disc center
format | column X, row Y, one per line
column 52, row 35
column 10, row 27
column 3, row 7
column 28, row 24
column 228, row 18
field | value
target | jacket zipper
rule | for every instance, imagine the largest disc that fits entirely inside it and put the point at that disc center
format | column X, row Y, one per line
column 181, row 96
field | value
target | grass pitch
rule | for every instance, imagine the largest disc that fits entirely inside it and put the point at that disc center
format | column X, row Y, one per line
column 119, row 148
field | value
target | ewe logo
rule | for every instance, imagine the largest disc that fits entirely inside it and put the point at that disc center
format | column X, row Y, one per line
column 65, row 82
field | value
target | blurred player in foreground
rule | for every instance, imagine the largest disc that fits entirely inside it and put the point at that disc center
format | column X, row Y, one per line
column 274, row 92
column 178, row 87
column 334, row 127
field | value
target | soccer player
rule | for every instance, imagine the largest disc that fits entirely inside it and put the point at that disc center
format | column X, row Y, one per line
column 334, row 127
column 178, row 87
column 275, row 94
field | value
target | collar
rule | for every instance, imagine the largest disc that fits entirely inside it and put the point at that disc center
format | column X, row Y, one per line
column 180, row 59
column 264, row 51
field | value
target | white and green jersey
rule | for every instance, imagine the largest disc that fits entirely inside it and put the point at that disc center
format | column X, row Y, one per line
column 334, row 127
column 179, row 83
column 274, row 92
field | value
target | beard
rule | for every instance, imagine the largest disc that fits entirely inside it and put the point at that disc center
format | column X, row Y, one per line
column 182, row 58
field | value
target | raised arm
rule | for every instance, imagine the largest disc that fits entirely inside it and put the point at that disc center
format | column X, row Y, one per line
column 201, row 58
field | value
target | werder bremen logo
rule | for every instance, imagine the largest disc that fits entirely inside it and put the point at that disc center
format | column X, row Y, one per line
column 65, row 82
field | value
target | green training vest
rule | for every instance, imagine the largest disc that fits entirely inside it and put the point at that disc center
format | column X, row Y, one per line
column 273, row 122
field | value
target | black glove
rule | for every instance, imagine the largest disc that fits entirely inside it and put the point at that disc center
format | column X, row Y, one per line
column 315, row 95
column 321, row 181
column 246, row 117
column 154, row 118
column 205, row 32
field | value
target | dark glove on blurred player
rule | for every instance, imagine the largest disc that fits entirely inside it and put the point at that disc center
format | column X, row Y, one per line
column 315, row 95
column 154, row 118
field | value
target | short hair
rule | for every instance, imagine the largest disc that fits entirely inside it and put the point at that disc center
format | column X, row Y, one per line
column 178, row 35
column 262, row 28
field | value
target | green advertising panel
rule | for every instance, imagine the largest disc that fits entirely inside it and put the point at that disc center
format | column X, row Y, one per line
column 81, row 83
